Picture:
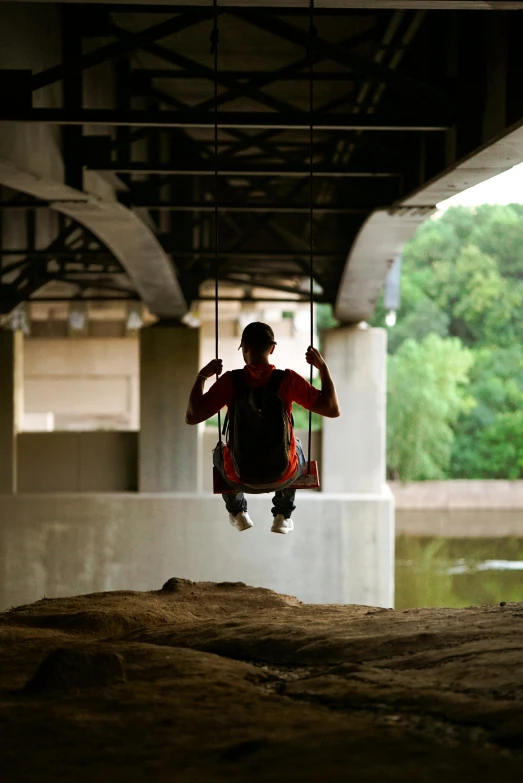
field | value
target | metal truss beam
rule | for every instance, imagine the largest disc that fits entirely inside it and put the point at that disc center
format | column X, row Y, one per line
column 75, row 254
column 371, row 70
column 319, row 209
column 268, row 170
column 250, row 255
column 31, row 277
column 294, row 121
column 242, row 137
column 146, row 74
column 254, row 299
column 256, row 282
column 120, row 48
column 119, row 230
column 245, row 141
column 298, row 6
column 235, row 90
column 12, row 302
column 252, row 90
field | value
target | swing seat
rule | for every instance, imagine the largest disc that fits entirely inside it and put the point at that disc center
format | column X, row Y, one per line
column 308, row 480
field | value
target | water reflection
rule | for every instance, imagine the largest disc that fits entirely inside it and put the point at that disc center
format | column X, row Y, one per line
column 457, row 572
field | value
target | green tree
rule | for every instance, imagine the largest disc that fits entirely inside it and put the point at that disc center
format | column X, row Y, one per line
column 484, row 447
column 498, row 232
column 503, row 442
column 325, row 318
column 437, row 239
column 462, row 278
column 484, row 307
column 424, row 318
column 425, row 397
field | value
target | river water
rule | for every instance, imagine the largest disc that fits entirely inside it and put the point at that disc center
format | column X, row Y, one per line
column 458, row 571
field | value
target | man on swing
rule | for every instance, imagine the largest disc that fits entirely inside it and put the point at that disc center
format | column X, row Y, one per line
column 261, row 453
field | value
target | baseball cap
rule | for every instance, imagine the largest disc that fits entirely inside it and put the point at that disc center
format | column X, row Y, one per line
column 257, row 335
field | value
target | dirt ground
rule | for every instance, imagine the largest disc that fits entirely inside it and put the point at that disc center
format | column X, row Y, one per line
column 223, row 682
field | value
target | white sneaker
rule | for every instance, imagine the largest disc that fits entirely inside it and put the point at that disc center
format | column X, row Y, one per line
column 282, row 525
column 241, row 521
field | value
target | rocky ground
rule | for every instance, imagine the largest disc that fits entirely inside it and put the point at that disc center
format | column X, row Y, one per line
column 224, row 682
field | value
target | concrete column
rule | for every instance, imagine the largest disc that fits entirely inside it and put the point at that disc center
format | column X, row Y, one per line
column 169, row 449
column 11, row 405
column 353, row 453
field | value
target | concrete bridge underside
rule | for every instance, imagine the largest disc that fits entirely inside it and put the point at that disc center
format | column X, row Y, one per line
column 106, row 124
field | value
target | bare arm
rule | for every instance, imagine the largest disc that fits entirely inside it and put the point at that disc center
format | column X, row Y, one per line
column 198, row 408
column 327, row 403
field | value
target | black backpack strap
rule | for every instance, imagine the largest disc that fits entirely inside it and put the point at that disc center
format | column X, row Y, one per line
column 238, row 381
column 275, row 381
column 240, row 387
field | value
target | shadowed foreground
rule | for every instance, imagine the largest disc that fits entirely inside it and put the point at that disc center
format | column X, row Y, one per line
column 224, row 682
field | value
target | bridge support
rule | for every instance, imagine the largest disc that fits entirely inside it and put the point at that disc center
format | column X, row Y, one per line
column 353, row 459
column 354, row 446
column 168, row 448
column 11, row 391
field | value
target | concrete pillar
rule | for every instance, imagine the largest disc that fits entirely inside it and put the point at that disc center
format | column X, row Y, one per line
column 353, row 453
column 169, row 449
column 11, row 405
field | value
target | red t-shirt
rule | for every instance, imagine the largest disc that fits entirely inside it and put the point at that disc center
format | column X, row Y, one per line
column 293, row 388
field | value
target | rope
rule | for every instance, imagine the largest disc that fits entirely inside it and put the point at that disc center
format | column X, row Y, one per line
column 215, row 37
column 312, row 36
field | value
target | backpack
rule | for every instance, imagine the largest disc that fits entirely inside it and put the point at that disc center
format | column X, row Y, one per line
column 259, row 430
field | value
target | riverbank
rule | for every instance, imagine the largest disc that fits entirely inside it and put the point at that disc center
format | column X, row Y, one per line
column 459, row 509
column 453, row 495
column 459, row 523
column 224, row 682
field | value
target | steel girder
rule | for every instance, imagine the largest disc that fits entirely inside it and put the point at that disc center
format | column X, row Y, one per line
column 389, row 116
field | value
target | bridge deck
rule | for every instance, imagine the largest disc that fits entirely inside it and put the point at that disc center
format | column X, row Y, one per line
column 402, row 94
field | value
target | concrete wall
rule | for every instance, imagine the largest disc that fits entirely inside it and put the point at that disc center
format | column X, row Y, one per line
column 459, row 523
column 342, row 549
column 93, row 383
column 464, row 494
column 84, row 382
column 77, row 461
column 98, row 461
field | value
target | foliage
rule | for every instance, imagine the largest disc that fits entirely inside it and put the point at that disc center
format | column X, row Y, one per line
column 424, row 318
column 488, row 438
column 462, row 285
column 425, row 397
column 485, row 308
column 325, row 318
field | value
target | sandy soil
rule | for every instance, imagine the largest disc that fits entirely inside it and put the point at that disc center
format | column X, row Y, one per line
column 223, row 682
